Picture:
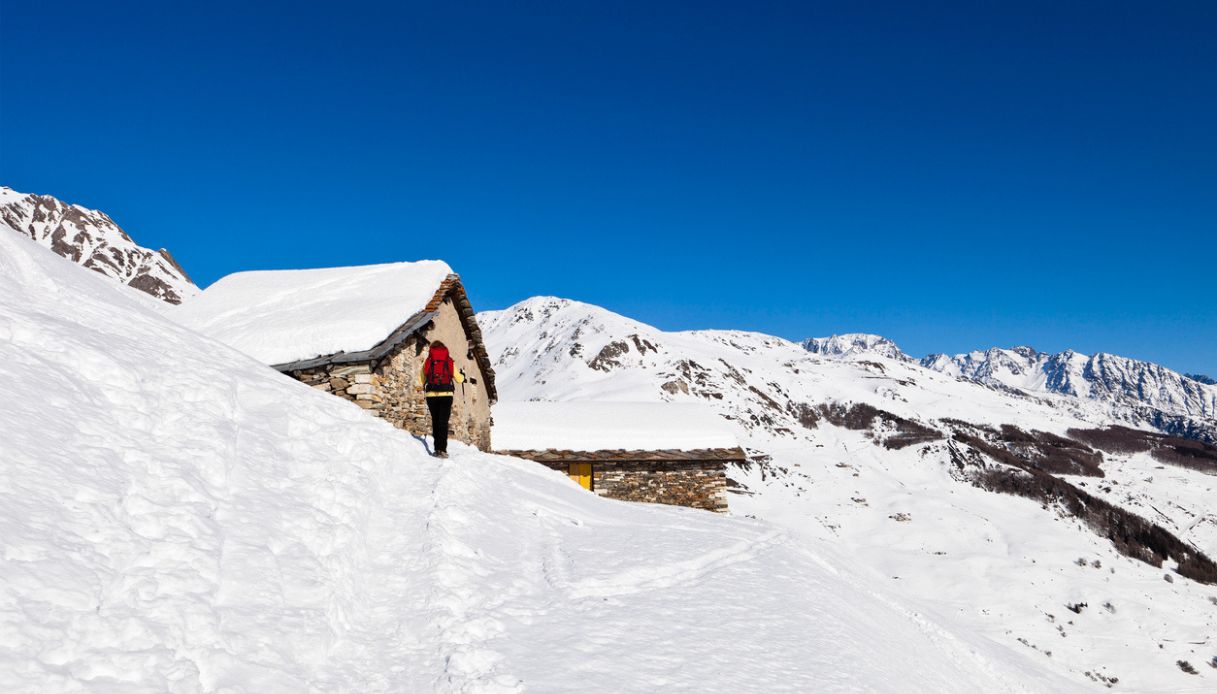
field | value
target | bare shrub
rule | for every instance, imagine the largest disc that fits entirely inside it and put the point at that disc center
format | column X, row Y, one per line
column 1114, row 439
column 1187, row 453
column 805, row 414
column 858, row 417
column 861, row 417
column 910, row 433
column 1175, row 450
column 1037, row 451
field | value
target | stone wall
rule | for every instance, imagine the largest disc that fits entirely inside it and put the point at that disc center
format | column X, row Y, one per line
column 390, row 389
column 697, row 484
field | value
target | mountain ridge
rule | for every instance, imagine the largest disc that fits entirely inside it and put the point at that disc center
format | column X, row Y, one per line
column 1119, row 381
column 92, row 239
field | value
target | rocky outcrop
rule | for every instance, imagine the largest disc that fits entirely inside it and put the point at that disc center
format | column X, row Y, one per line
column 855, row 344
column 93, row 240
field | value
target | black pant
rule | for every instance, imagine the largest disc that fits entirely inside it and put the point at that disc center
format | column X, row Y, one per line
column 441, row 412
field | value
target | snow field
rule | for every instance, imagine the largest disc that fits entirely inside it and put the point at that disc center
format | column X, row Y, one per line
column 178, row 518
column 999, row 568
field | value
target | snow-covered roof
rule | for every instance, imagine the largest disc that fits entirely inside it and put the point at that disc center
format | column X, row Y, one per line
column 594, row 426
column 283, row 316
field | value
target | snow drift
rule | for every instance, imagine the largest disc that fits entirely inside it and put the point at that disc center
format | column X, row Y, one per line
column 177, row 517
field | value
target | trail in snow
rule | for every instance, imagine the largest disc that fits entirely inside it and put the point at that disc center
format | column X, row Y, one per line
column 177, row 517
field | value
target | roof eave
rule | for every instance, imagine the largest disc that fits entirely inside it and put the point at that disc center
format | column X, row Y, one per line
column 670, row 455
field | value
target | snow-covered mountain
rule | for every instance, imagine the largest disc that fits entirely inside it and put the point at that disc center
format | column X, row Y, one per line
column 91, row 239
column 1101, row 377
column 1024, row 515
column 855, row 344
column 178, row 517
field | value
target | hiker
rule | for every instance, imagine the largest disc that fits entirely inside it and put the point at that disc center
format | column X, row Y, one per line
column 437, row 379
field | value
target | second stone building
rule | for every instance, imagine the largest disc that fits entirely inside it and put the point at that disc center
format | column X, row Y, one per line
column 662, row 453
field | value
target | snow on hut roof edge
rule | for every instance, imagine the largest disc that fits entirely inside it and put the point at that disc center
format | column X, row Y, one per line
column 281, row 316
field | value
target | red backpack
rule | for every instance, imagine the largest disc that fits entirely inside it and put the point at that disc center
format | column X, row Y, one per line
column 438, row 369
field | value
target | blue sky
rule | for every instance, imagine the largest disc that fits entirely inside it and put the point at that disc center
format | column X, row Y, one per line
column 950, row 175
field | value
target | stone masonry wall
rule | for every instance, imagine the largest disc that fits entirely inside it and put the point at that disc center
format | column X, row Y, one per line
column 696, row 484
column 699, row 485
column 391, row 391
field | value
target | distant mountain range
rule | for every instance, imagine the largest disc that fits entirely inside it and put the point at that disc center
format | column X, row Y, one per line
column 1139, row 392
column 93, row 240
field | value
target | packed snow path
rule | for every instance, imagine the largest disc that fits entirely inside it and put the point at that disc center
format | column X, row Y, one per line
column 177, row 517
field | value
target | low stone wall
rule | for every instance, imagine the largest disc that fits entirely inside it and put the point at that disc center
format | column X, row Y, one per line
column 697, row 484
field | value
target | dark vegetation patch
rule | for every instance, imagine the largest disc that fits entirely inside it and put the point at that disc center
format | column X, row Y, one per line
column 1034, row 451
column 1175, row 450
column 1114, row 439
column 1201, row 378
column 805, row 414
column 858, row 417
column 1130, row 534
column 861, row 417
column 1189, row 454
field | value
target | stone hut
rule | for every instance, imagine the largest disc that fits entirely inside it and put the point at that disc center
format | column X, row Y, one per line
column 360, row 333
column 663, row 453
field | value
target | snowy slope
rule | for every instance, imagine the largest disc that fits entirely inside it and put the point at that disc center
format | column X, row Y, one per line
column 281, row 316
column 1102, row 377
column 93, row 240
column 903, row 491
column 176, row 517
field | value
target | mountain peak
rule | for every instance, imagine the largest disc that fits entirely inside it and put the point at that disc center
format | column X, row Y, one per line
column 91, row 239
column 855, row 344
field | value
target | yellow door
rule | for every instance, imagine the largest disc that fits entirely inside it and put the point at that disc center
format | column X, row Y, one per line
column 581, row 473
